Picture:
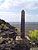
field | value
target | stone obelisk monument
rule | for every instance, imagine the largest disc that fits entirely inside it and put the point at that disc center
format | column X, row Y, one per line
column 22, row 24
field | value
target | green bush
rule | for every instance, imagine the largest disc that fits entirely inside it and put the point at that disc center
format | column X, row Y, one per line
column 2, row 24
column 18, row 31
column 34, row 35
column 1, row 38
column 5, row 27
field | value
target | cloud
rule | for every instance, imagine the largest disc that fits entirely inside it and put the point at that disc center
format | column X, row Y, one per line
column 10, row 4
column 10, row 16
column 10, row 9
column 32, row 5
column 31, row 18
column 19, row 4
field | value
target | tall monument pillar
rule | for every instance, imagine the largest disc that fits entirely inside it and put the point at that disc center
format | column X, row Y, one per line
column 22, row 24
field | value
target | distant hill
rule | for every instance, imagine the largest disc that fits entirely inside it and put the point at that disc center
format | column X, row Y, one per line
column 31, row 23
column 25, row 22
column 28, row 25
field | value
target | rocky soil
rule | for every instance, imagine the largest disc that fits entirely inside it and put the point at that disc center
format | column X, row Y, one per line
column 8, row 40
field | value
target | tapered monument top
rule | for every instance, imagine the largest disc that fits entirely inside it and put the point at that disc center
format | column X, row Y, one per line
column 23, row 13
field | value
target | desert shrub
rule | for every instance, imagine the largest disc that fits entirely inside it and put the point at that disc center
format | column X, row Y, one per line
column 2, row 24
column 18, row 31
column 34, row 35
column 5, row 27
column 1, row 38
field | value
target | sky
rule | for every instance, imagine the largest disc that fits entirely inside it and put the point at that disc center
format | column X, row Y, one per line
column 10, row 10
